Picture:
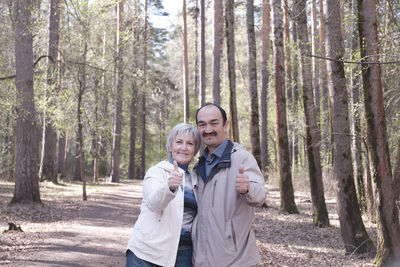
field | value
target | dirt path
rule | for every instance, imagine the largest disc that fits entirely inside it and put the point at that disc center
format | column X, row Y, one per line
column 97, row 237
column 67, row 231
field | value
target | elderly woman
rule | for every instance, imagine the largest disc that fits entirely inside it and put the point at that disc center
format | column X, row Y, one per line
column 162, row 234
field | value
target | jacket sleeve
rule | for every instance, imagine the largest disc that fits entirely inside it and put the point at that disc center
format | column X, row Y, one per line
column 256, row 192
column 156, row 193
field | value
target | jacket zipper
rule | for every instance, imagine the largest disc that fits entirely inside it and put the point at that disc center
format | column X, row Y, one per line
column 215, row 184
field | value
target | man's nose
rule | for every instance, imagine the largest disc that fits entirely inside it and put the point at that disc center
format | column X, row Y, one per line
column 208, row 129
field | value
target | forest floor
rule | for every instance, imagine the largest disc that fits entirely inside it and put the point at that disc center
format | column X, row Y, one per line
column 66, row 231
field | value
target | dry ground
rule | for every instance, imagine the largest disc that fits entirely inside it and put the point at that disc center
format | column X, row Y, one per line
column 66, row 231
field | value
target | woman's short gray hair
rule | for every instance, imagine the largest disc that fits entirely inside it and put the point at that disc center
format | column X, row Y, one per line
column 183, row 128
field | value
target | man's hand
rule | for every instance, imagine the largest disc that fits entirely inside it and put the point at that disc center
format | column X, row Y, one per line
column 175, row 178
column 242, row 181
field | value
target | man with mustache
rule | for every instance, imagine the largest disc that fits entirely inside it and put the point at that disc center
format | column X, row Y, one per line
column 230, row 185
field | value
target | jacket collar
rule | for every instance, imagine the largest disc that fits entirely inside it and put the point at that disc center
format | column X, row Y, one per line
column 224, row 162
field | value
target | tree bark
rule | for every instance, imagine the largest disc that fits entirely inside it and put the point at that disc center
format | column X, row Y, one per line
column 253, row 91
column 283, row 154
column 265, row 53
column 134, row 98
column 230, row 45
column 325, row 117
column 202, row 98
column 388, row 223
column 218, row 36
column 186, row 108
column 116, row 152
column 315, row 61
column 143, row 137
column 48, row 166
column 356, row 129
column 320, row 212
column 26, row 132
column 354, row 234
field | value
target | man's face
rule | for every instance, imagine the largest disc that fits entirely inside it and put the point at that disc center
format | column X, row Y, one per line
column 211, row 127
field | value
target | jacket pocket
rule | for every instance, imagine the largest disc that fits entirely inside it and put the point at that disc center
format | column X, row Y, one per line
column 230, row 235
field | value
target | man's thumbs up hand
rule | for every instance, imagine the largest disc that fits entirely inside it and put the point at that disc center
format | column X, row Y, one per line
column 175, row 178
column 242, row 181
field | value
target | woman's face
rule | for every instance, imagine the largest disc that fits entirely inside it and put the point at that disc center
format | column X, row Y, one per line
column 183, row 148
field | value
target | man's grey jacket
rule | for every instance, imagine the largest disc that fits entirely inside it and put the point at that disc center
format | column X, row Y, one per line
column 223, row 234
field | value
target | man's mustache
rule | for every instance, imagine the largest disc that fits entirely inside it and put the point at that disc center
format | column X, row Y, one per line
column 210, row 134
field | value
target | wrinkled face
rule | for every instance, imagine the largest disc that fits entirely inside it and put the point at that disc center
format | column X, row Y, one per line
column 183, row 147
column 211, row 127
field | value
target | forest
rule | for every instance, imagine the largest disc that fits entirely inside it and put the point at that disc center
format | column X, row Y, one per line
column 89, row 90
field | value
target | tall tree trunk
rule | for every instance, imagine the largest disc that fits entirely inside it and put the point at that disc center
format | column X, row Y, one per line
column 291, row 103
column 26, row 133
column 388, row 224
column 295, row 98
column 217, row 52
column 315, row 61
column 253, row 91
column 320, row 212
column 186, row 108
column 285, row 177
column 103, row 164
column 62, row 134
column 80, row 138
column 134, row 99
column 196, row 51
column 48, row 166
column 325, row 126
column 116, row 152
column 95, row 133
column 144, row 86
column 356, row 130
column 354, row 235
column 265, row 31
column 202, row 98
column 230, row 45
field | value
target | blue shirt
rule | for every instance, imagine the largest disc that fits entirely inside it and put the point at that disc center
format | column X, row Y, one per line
column 214, row 158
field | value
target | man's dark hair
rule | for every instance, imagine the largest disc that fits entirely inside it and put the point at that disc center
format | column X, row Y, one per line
column 223, row 113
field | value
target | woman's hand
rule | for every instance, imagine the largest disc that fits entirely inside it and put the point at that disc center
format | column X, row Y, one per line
column 175, row 178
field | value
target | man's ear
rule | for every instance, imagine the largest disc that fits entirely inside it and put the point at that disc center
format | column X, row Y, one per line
column 226, row 126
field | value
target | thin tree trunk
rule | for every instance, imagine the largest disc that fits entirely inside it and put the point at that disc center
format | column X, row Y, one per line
column 48, row 166
column 291, row 103
column 186, row 108
column 103, row 164
column 388, row 223
column 218, row 35
column 285, row 177
column 80, row 138
column 325, row 126
column 295, row 99
column 320, row 212
column 202, row 98
column 143, row 137
column 253, row 91
column 356, row 130
column 134, row 98
column 26, row 133
column 230, row 45
column 116, row 152
column 265, row 31
column 354, row 234
column 315, row 61
column 196, row 51
column 369, row 188
column 62, row 134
